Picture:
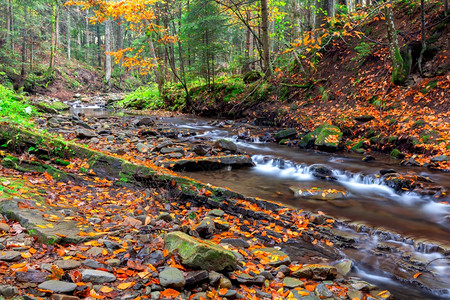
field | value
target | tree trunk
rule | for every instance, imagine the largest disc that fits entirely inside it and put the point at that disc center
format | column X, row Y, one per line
column 8, row 20
column 265, row 38
column 424, row 42
column 69, row 37
column 322, row 13
column 24, row 47
column 351, row 5
column 52, row 29
column 87, row 37
column 108, row 48
column 399, row 68
column 445, row 5
column 99, row 46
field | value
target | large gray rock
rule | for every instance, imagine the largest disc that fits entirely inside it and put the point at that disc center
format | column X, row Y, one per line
column 200, row 254
column 96, row 276
column 57, row 286
column 68, row 264
column 84, row 133
column 285, row 134
column 316, row 272
column 171, row 277
column 10, row 255
column 8, row 291
column 225, row 145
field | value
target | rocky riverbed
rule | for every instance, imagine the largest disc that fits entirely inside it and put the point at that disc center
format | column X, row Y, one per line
column 85, row 228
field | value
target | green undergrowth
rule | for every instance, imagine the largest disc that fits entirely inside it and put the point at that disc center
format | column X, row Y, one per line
column 145, row 97
column 14, row 108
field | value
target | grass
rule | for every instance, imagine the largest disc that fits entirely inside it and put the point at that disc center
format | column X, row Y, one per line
column 14, row 109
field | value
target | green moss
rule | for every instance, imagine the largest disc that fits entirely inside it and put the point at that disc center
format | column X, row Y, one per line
column 358, row 145
column 396, row 154
column 392, row 139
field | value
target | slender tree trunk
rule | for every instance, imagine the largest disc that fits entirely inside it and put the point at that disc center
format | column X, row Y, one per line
column 57, row 28
column 265, row 37
column 53, row 40
column 87, row 36
column 11, row 27
column 99, row 46
column 108, row 48
column 246, row 68
column 69, row 37
column 424, row 42
column 399, row 68
column 8, row 20
column 24, row 46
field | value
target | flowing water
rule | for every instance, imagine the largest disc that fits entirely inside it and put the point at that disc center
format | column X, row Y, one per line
column 279, row 169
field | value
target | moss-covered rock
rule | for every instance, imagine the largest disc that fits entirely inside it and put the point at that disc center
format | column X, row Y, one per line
column 200, row 254
column 328, row 136
column 397, row 154
column 285, row 134
column 307, row 140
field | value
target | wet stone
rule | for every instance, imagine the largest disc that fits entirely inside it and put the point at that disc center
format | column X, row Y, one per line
column 238, row 243
column 8, row 291
column 291, row 282
column 10, row 255
column 216, row 213
column 57, row 286
column 171, row 277
column 316, row 272
column 4, row 227
column 322, row 291
column 304, row 295
column 195, row 277
column 31, row 276
column 95, row 251
column 68, row 264
column 96, row 276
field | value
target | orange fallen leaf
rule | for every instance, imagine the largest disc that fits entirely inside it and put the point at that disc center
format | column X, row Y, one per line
column 170, row 293
column 125, row 285
column 106, row 289
column 417, row 275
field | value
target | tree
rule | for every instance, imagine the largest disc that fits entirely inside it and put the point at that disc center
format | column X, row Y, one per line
column 265, row 37
column 400, row 69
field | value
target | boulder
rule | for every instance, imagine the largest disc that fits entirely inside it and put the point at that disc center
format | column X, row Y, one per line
column 397, row 154
column 440, row 158
column 321, row 171
column 328, row 136
column 200, row 254
column 84, row 133
column 285, row 134
column 316, row 272
column 225, row 145
column 146, row 121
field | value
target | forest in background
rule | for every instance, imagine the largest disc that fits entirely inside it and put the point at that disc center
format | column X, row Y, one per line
column 281, row 63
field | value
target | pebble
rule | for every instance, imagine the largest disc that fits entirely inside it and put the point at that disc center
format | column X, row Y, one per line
column 4, row 227
column 57, row 286
column 8, row 291
column 68, row 264
column 96, row 276
column 171, row 277
column 10, row 255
